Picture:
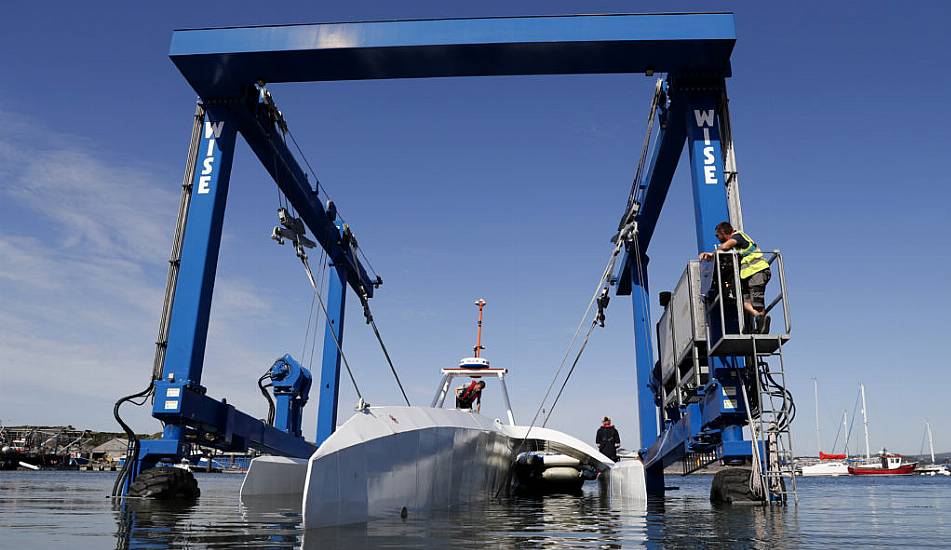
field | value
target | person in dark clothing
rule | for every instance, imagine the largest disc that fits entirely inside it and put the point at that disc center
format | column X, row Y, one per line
column 608, row 440
column 470, row 396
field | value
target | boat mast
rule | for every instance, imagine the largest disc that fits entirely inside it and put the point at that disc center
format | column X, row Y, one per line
column 930, row 440
column 478, row 347
column 815, row 383
column 868, row 453
column 845, row 427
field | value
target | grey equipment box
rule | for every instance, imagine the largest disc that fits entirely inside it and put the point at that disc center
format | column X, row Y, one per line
column 682, row 338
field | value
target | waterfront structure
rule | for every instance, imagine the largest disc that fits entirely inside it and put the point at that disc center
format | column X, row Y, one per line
column 230, row 69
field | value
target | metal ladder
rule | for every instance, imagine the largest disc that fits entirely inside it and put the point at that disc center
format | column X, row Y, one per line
column 773, row 469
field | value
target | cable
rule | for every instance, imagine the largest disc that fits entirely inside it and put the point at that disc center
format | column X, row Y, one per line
column 602, row 282
column 376, row 331
column 320, row 284
column 574, row 364
column 313, row 283
column 312, row 318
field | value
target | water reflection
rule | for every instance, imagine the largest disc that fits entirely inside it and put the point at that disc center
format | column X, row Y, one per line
column 71, row 510
column 590, row 519
column 146, row 523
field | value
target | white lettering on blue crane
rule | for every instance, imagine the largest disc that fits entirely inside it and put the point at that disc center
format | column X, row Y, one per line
column 208, row 163
column 705, row 121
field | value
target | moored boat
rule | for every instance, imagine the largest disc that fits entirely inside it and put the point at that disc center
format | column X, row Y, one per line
column 932, row 469
column 889, row 464
column 826, row 468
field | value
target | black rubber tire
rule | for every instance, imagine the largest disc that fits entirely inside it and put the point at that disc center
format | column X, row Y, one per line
column 732, row 486
column 165, row 483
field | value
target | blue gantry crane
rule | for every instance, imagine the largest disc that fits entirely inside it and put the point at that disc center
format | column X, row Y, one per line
column 232, row 69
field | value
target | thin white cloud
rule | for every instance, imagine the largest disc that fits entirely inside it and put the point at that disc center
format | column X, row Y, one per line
column 83, row 250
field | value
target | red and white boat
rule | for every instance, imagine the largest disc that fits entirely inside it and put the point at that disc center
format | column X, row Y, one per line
column 890, row 464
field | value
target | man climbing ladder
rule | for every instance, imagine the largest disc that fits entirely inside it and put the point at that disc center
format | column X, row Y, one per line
column 754, row 271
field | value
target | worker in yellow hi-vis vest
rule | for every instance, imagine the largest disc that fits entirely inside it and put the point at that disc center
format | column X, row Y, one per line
column 754, row 271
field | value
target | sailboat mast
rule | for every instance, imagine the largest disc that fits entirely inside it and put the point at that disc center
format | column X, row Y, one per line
column 868, row 453
column 845, row 427
column 930, row 440
column 815, row 383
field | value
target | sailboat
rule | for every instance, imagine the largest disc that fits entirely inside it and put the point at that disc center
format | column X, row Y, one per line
column 932, row 469
column 829, row 464
column 888, row 464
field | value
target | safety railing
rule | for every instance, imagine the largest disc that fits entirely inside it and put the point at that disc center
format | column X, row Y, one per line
column 728, row 323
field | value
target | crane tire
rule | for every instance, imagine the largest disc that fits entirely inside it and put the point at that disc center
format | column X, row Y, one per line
column 165, row 483
column 732, row 486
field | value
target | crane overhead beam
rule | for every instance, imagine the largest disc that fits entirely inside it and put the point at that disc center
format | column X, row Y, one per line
column 221, row 62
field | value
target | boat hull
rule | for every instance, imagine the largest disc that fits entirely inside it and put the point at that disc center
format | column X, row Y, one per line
column 903, row 470
column 407, row 461
column 826, row 469
column 396, row 461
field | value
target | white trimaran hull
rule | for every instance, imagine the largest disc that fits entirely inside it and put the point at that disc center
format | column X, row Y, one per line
column 387, row 459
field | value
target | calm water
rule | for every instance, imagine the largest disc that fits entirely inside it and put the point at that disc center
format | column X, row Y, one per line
column 70, row 510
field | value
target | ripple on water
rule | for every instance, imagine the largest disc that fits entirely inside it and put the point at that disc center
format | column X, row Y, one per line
column 71, row 510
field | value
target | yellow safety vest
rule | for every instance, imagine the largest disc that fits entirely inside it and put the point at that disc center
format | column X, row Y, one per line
column 751, row 259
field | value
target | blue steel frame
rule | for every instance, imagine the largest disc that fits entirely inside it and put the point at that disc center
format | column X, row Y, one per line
column 715, row 423
column 225, row 65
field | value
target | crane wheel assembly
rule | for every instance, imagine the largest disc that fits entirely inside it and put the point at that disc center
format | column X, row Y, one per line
column 165, row 483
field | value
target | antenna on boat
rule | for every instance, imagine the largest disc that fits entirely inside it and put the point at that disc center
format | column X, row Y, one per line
column 477, row 349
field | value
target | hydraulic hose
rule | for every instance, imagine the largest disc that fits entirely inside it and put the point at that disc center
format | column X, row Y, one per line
column 132, row 452
column 267, row 395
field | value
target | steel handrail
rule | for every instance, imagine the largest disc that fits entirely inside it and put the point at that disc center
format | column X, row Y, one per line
column 771, row 257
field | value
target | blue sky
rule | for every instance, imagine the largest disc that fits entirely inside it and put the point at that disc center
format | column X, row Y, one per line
column 503, row 188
